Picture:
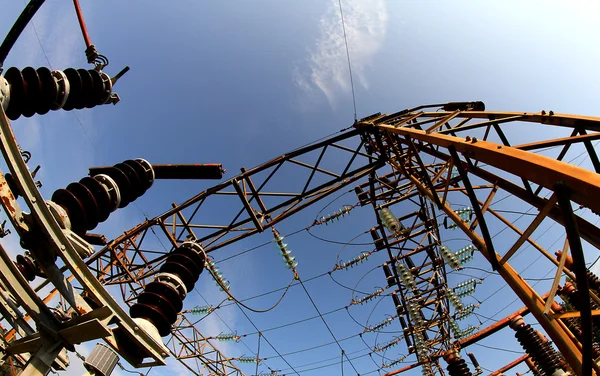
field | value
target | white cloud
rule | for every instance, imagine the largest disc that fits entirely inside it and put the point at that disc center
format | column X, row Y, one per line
column 327, row 71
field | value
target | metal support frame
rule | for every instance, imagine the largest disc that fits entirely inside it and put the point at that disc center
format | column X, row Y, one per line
column 397, row 140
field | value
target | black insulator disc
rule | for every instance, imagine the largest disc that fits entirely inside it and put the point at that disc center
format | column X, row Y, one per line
column 101, row 196
column 87, row 86
column 152, row 314
column 153, row 299
column 136, row 186
column 26, row 267
column 181, row 271
column 32, row 94
column 74, row 209
column 198, row 258
column 123, row 183
column 74, row 99
column 18, row 86
column 166, row 292
column 49, row 90
column 90, row 206
column 188, row 262
column 98, row 92
column 145, row 181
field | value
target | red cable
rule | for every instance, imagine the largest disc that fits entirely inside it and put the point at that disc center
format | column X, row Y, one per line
column 86, row 37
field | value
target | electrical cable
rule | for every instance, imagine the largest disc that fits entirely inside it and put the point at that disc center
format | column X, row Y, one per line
column 17, row 28
column 267, row 341
column 325, row 322
column 334, row 241
column 348, row 56
column 499, row 349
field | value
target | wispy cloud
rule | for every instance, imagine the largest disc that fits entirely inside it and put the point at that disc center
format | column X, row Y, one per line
column 327, row 67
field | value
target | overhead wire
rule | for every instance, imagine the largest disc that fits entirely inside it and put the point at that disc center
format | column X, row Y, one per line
column 348, row 56
column 325, row 322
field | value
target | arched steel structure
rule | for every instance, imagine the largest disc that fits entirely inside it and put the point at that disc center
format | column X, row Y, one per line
column 413, row 159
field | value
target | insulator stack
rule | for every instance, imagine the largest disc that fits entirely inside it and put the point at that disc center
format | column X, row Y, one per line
column 333, row 216
column 41, row 90
column 92, row 199
column 227, row 337
column 248, row 359
column 593, row 279
column 415, row 314
column 387, row 345
column 571, row 295
column 534, row 370
column 573, row 325
column 289, row 260
column 464, row 214
column 217, row 275
column 368, row 297
column 465, row 254
column 465, row 312
column 381, row 325
column 349, row 264
column 390, row 221
column 163, row 298
column 450, row 257
column 392, row 364
column 454, row 300
column 545, row 357
column 406, row 276
column 201, row 311
column 456, row 365
column 460, row 333
column 466, row 288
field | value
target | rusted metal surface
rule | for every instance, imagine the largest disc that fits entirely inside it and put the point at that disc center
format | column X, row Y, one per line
column 510, row 365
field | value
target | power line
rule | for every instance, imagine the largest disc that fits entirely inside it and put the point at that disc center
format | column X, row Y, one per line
column 326, row 325
column 348, row 56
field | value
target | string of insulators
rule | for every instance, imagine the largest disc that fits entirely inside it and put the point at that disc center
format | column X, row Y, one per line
column 395, row 362
column 422, row 353
column 415, row 314
column 390, row 221
column 162, row 299
column 367, row 298
column 41, row 90
column 450, row 257
column 464, row 214
column 465, row 312
column 349, row 264
column 248, row 359
column 465, row 254
column 217, row 275
column 460, row 333
column 382, row 324
column 387, row 345
column 227, row 337
column 82, row 205
column 289, row 260
column 545, row 357
column 457, row 366
column 406, row 276
column 466, row 288
column 333, row 216
column 201, row 311
column 454, row 299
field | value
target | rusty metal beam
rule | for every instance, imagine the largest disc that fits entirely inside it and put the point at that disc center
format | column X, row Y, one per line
column 510, row 365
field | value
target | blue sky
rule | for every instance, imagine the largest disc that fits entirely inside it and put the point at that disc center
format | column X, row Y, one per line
column 239, row 83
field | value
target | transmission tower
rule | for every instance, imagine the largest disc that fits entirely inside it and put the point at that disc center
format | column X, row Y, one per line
column 407, row 166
